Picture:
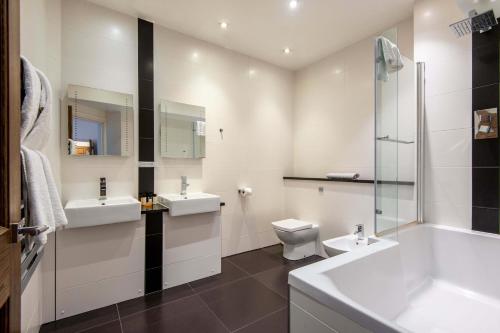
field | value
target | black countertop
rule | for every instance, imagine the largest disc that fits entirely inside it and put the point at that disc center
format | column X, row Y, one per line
column 160, row 208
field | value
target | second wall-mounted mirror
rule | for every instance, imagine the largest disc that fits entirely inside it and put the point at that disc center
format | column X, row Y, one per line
column 100, row 122
column 182, row 130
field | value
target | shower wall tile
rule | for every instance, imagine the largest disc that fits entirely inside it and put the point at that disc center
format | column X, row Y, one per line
column 448, row 149
column 485, row 187
column 485, row 219
column 486, row 38
column 485, row 153
column 449, row 111
column 485, row 65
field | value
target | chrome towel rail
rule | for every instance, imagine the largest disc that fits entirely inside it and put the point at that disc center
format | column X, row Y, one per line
column 388, row 139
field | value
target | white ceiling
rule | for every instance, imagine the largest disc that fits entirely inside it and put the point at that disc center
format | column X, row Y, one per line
column 262, row 28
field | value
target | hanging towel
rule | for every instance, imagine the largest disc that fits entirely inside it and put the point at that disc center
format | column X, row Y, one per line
column 389, row 58
column 342, row 175
column 32, row 92
column 200, row 128
column 39, row 134
column 43, row 199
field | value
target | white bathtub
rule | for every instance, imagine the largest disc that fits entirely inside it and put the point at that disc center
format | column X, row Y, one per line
column 434, row 279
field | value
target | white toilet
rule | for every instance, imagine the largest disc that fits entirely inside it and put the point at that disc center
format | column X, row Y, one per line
column 298, row 237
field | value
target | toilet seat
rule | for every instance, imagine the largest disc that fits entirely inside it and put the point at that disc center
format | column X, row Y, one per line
column 292, row 225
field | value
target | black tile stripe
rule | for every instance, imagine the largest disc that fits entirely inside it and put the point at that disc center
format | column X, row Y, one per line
column 485, row 153
column 153, row 279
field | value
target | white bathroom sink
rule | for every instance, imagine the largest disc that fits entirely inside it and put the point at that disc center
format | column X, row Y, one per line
column 339, row 245
column 92, row 212
column 191, row 203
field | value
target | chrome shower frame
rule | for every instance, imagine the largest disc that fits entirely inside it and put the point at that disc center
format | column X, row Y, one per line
column 420, row 140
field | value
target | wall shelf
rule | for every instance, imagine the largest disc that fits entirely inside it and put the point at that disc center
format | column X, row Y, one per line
column 359, row 181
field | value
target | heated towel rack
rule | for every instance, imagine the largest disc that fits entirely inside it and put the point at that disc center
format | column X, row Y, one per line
column 31, row 249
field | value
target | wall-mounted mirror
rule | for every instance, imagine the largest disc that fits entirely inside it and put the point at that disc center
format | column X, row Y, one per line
column 182, row 130
column 100, row 122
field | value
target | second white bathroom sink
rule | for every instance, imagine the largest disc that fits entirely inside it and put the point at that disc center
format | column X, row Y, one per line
column 339, row 245
column 190, row 203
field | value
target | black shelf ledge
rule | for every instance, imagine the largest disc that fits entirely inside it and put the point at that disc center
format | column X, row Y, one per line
column 345, row 180
column 160, row 208
column 154, row 209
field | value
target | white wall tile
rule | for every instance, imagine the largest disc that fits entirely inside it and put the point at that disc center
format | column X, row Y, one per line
column 449, row 148
column 449, row 111
column 448, row 179
column 255, row 112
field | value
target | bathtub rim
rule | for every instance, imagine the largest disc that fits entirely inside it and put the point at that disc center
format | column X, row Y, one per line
column 308, row 279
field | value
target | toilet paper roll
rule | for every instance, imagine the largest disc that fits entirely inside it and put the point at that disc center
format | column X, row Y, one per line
column 245, row 191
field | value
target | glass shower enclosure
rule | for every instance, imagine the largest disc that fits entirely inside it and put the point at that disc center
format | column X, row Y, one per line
column 398, row 150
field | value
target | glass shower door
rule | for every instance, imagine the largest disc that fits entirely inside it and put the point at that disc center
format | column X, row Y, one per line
column 395, row 147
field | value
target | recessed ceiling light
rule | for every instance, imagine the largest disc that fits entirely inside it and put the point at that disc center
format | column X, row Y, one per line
column 287, row 50
column 223, row 25
column 293, row 4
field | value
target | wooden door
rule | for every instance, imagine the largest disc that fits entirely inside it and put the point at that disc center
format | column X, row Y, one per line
column 10, row 177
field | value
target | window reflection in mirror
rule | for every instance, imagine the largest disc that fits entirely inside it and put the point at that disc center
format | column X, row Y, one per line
column 100, row 122
column 182, row 130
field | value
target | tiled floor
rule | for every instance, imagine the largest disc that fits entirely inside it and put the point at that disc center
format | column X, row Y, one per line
column 250, row 295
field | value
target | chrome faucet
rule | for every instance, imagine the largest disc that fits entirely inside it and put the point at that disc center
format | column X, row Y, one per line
column 184, row 185
column 360, row 231
column 102, row 189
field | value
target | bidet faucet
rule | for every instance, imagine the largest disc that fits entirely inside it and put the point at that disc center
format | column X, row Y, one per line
column 360, row 231
column 184, row 185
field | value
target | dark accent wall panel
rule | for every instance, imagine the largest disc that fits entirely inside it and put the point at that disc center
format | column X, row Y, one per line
column 485, row 153
column 146, row 91
column 146, row 180
column 153, row 279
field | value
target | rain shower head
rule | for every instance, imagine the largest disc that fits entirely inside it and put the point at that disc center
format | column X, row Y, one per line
column 475, row 22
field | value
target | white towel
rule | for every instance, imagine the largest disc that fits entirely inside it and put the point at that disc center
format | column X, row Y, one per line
column 32, row 88
column 39, row 134
column 43, row 199
column 200, row 128
column 342, row 175
column 389, row 58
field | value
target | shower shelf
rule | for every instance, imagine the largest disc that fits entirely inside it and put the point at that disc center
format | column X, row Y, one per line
column 360, row 181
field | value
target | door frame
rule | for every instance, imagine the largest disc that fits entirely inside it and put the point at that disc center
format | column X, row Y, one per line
column 10, row 166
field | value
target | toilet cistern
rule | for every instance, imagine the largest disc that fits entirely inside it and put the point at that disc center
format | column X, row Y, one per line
column 359, row 231
column 184, row 185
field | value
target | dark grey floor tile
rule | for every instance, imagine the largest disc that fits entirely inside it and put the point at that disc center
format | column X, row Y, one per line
column 229, row 273
column 242, row 302
column 256, row 261
column 275, row 323
column 274, row 249
column 275, row 279
column 306, row 261
column 146, row 302
column 112, row 327
column 82, row 321
column 187, row 315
